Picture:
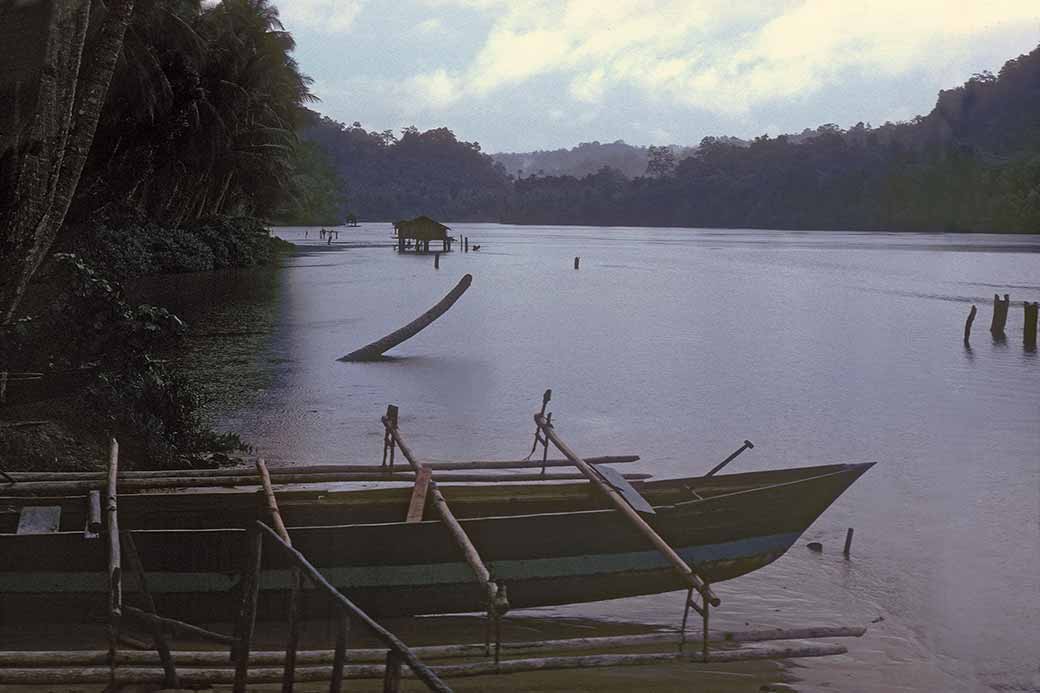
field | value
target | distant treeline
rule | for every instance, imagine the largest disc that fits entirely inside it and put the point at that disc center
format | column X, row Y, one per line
column 972, row 164
column 585, row 159
column 391, row 177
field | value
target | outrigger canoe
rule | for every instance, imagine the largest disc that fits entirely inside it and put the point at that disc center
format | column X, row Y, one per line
column 549, row 544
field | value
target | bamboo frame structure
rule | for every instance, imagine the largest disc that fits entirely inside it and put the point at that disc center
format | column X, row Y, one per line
column 421, row 670
column 685, row 572
column 497, row 602
column 162, row 647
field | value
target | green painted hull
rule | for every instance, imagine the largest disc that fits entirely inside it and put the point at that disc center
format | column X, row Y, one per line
column 740, row 523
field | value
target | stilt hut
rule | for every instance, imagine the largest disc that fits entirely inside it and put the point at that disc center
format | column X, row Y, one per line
column 418, row 232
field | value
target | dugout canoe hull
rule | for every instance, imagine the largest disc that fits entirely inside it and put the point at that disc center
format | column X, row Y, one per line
column 740, row 523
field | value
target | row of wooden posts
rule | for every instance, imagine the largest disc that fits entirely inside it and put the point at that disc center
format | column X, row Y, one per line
column 999, row 321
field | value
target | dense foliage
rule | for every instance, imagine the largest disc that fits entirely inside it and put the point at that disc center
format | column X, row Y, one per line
column 201, row 116
column 152, row 410
column 130, row 247
column 196, row 141
column 432, row 172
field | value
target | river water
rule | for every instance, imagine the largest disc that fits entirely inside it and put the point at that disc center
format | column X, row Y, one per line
column 677, row 344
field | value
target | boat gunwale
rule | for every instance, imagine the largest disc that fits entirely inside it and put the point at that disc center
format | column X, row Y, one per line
column 846, row 468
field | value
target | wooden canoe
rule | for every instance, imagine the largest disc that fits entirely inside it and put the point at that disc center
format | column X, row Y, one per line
column 548, row 543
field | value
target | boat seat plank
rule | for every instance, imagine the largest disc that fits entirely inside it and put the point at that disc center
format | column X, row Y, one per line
column 44, row 519
column 418, row 501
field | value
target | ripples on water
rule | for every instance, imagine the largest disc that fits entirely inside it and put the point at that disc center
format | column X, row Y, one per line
column 677, row 345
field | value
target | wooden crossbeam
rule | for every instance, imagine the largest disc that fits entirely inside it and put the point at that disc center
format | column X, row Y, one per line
column 418, row 501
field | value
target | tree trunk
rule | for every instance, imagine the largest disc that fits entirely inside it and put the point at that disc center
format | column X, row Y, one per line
column 66, row 116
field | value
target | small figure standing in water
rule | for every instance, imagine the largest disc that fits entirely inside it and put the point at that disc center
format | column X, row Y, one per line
column 330, row 238
column 306, row 233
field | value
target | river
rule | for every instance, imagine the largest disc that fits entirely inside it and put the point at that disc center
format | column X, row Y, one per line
column 677, row 344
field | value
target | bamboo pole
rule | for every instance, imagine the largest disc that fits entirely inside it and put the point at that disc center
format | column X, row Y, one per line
column 440, row 504
column 179, row 626
column 92, row 528
column 77, row 487
column 272, row 502
column 219, row 676
column 210, row 658
column 296, row 584
column 684, row 571
column 162, row 647
column 247, row 612
column 278, row 472
column 382, row 634
column 115, row 578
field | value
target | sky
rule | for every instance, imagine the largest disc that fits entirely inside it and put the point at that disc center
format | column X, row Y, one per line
column 520, row 75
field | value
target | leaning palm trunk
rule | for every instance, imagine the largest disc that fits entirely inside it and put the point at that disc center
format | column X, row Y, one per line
column 62, row 129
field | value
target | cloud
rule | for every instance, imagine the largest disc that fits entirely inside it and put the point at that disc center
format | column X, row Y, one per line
column 437, row 88
column 327, row 16
column 719, row 56
column 431, row 27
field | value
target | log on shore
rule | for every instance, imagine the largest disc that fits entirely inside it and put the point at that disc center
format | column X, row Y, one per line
column 226, row 675
column 208, row 658
column 371, row 352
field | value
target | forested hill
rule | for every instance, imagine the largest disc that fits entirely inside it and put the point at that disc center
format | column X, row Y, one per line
column 585, row 159
column 432, row 172
column 971, row 164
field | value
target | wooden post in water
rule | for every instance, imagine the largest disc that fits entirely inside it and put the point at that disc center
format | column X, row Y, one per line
column 465, row 243
column 967, row 325
column 577, row 261
column 1000, row 313
column 1030, row 325
column 436, row 261
column 848, row 542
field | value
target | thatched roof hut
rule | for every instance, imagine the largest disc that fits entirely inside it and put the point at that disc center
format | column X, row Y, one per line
column 421, row 228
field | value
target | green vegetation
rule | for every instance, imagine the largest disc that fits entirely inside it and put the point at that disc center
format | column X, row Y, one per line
column 195, row 141
column 431, row 173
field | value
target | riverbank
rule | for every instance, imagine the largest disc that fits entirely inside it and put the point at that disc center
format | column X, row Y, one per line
column 99, row 360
